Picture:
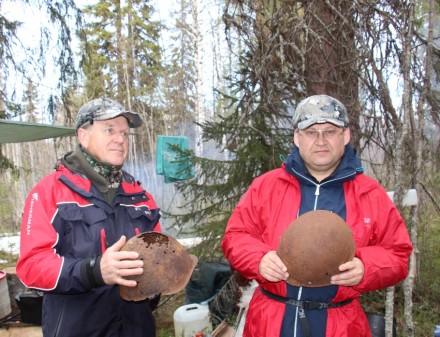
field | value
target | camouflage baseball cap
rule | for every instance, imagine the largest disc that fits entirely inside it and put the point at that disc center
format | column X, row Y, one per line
column 320, row 109
column 101, row 109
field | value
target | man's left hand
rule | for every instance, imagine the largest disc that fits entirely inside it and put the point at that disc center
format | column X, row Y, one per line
column 351, row 274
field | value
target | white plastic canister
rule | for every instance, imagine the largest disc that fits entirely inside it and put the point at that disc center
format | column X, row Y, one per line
column 5, row 302
column 190, row 319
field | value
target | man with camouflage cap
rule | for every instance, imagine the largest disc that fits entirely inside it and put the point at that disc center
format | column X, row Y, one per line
column 75, row 222
column 321, row 173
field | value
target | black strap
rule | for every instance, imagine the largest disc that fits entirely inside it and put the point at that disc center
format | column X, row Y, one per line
column 304, row 306
column 304, row 322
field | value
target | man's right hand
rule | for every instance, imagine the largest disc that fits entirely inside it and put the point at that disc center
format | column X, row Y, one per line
column 116, row 265
column 272, row 268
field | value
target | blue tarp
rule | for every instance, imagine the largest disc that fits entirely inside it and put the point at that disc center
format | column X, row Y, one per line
column 171, row 163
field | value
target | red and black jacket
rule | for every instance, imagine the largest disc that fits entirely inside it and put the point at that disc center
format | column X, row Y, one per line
column 67, row 223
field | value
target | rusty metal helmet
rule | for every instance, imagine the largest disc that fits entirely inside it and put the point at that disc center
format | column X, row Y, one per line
column 314, row 246
column 167, row 266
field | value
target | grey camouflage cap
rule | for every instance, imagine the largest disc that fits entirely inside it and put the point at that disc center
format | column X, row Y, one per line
column 101, row 109
column 320, row 109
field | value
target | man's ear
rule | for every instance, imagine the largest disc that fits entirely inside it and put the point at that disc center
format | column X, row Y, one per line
column 295, row 137
column 82, row 135
column 347, row 136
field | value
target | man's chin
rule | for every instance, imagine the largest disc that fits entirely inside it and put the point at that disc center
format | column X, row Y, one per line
column 116, row 161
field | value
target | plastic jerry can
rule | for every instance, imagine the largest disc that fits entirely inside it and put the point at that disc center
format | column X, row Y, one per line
column 437, row 331
column 190, row 319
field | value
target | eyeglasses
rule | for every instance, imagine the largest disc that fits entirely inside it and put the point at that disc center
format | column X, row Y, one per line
column 111, row 132
column 327, row 134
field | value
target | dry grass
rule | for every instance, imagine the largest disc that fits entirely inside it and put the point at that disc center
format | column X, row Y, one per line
column 165, row 311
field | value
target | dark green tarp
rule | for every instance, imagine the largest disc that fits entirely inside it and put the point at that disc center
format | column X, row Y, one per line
column 17, row 132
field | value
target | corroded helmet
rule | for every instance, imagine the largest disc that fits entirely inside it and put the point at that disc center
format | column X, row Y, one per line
column 167, row 266
column 314, row 246
column 320, row 109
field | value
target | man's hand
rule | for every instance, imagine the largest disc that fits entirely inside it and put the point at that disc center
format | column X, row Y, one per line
column 272, row 268
column 117, row 264
column 351, row 274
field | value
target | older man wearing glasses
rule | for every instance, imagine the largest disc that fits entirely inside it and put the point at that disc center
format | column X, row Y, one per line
column 75, row 223
column 322, row 173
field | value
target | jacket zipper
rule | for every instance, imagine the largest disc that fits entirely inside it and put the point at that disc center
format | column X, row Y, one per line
column 318, row 186
column 296, row 313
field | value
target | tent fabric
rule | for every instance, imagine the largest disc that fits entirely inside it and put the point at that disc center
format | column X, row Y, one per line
column 17, row 132
column 170, row 162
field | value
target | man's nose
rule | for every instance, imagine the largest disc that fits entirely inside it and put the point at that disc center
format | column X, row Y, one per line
column 121, row 137
column 320, row 138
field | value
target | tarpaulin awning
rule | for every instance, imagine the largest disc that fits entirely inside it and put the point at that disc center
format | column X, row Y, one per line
column 17, row 132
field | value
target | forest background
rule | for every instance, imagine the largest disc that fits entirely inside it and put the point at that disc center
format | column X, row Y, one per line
column 228, row 75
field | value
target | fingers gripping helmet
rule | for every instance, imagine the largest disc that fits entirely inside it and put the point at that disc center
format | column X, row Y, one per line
column 167, row 266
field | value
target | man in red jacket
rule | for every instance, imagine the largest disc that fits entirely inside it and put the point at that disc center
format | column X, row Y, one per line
column 322, row 173
column 75, row 222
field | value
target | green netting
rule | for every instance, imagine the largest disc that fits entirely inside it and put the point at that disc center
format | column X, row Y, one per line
column 170, row 161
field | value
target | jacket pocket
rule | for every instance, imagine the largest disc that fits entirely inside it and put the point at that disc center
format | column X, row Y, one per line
column 80, row 235
column 142, row 218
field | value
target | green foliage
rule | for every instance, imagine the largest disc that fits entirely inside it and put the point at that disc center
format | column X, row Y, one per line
column 7, row 259
column 7, row 213
column 33, row 59
column 165, row 333
column 251, row 137
column 120, row 53
column 181, row 71
column 6, row 164
column 251, row 129
column 427, row 286
column 426, row 295
column 121, row 58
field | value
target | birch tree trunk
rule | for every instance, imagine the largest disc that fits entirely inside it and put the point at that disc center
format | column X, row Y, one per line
column 402, row 135
column 408, row 286
column 389, row 312
column 198, row 59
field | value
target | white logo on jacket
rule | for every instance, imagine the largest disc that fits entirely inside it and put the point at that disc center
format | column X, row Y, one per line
column 31, row 209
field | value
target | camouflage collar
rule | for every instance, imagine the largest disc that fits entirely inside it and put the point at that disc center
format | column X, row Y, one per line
column 111, row 173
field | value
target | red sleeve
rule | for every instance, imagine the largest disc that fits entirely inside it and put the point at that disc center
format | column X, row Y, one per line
column 39, row 266
column 245, row 243
column 386, row 246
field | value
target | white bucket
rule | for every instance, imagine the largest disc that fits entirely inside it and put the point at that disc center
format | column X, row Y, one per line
column 5, row 301
column 190, row 319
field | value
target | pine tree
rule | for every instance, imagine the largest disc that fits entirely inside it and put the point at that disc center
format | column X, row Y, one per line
column 179, row 83
column 121, row 57
column 252, row 131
